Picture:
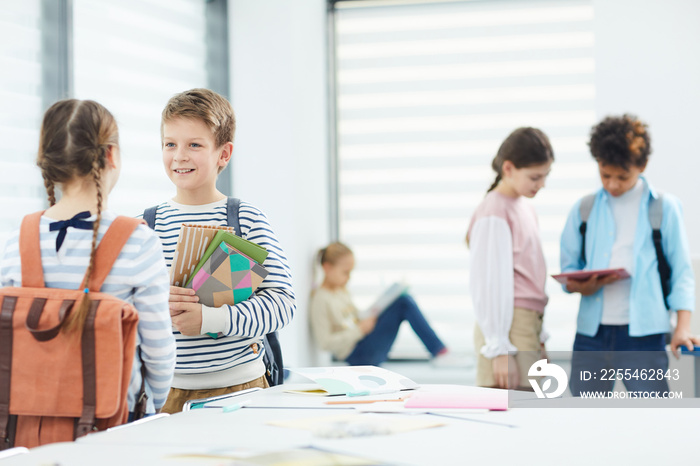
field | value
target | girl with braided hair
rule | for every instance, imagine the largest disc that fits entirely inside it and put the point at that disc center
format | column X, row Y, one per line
column 79, row 157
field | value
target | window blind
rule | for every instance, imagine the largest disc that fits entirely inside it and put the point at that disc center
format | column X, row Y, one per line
column 145, row 52
column 425, row 94
column 21, row 187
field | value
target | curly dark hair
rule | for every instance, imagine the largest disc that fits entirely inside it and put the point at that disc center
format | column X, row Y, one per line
column 621, row 141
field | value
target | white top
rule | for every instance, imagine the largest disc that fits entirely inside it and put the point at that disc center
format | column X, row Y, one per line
column 491, row 267
column 507, row 267
column 616, row 296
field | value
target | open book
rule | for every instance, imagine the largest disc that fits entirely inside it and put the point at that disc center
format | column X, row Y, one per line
column 387, row 298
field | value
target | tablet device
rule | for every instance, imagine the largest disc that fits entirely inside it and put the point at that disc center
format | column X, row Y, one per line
column 586, row 274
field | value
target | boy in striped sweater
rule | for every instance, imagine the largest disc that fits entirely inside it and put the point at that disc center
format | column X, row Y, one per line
column 197, row 131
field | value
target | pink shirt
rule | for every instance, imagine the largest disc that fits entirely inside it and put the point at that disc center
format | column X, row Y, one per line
column 507, row 266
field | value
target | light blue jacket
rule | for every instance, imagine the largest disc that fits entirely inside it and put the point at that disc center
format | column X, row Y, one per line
column 648, row 314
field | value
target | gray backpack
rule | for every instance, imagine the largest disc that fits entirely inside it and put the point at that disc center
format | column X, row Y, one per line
column 656, row 214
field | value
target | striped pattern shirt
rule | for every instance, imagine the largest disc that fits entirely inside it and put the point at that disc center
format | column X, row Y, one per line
column 139, row 276
column 204, row 362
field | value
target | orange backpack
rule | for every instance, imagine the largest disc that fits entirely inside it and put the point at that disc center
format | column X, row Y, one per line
column 57, row 386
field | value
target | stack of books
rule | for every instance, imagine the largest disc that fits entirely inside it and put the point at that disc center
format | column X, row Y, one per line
column 221, row 267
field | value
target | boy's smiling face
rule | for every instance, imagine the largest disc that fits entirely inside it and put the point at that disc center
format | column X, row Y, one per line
column 617, row 180
column 192, row 160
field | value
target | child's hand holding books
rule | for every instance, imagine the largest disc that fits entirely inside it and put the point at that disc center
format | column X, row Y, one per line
column 228, row 270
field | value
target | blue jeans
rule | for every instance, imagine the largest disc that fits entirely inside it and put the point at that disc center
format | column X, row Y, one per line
column 612, row 349
column 374, row 348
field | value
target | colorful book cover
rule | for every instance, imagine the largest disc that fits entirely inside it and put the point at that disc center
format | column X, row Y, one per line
column 191, row 244
column 227, row 276
column 250, row 249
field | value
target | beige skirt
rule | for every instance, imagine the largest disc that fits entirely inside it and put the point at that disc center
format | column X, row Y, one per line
column 525, row 335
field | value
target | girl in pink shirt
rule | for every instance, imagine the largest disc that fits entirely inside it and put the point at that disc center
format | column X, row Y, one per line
column 507, row 266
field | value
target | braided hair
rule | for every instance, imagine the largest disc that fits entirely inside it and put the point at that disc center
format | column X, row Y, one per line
column 75, row 137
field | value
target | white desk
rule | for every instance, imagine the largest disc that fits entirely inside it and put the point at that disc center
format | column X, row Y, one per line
column 555, row 436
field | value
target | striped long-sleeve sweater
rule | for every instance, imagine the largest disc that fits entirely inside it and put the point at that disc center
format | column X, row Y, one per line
column 139, row 276
column 204, row 362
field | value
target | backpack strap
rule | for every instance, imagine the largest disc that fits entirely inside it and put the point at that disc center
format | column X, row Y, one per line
column 7, row 422
column 233, row 205
column 32, row 275
column 149, row 216
column 272, row 356
column 30, row 251
column 86, row 422
column 109, row 249
column 656, row 214
column 585, row 210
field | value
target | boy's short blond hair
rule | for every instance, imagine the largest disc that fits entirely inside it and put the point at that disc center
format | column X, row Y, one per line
column 205, row 105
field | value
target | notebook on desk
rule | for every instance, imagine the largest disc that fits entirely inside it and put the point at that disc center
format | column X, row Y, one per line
column 220, row 401
column 353, row 380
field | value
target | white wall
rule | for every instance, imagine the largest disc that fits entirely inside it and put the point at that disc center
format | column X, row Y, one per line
column 279, row 93
column 648, row 63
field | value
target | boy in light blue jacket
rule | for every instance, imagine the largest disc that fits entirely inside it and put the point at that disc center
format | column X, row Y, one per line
column 626, row 315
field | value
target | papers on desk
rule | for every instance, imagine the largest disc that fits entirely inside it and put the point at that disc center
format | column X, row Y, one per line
column 353, row 380
column 358, row 425
column 364, row 385
column 293, row 456
column 227, row 402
